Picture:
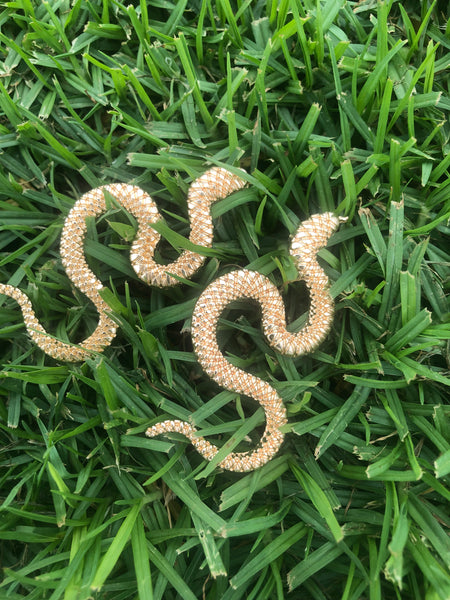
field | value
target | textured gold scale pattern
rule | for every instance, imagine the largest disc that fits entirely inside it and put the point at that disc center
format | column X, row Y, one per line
column 211, row 186
column 312, row 235
column 216, row 183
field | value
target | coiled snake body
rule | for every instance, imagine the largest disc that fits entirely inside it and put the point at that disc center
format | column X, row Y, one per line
column 216, row 183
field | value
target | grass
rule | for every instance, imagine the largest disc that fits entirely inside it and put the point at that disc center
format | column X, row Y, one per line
column 328, row 105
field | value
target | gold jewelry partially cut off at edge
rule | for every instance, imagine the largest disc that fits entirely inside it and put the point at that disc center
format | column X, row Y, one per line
column 213, row 185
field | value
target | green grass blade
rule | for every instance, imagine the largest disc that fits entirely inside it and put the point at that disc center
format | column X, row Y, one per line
column 271, row 552
column 319, row 500
column 116, row 547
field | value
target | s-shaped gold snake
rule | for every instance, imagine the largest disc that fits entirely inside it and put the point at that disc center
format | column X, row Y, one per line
column 310, row 237
column 216, row 183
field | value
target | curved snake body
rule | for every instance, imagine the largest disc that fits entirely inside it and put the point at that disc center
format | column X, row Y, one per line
column 310, row 237
column 216, row 183
column 211, row 186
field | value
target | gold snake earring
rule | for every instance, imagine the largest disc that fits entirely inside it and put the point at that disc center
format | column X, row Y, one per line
column 211, row 186
column 312, row 235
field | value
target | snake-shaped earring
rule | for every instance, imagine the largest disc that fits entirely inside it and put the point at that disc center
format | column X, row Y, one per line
column 310, row 237
column 211, row 186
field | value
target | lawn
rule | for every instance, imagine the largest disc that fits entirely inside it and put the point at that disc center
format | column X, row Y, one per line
column 328, row 105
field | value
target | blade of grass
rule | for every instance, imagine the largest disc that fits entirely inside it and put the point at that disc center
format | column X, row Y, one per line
column 116, row 547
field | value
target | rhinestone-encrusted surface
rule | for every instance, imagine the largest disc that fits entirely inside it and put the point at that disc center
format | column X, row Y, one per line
column 216, row 183
column 211, row 186
column 309, row 238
